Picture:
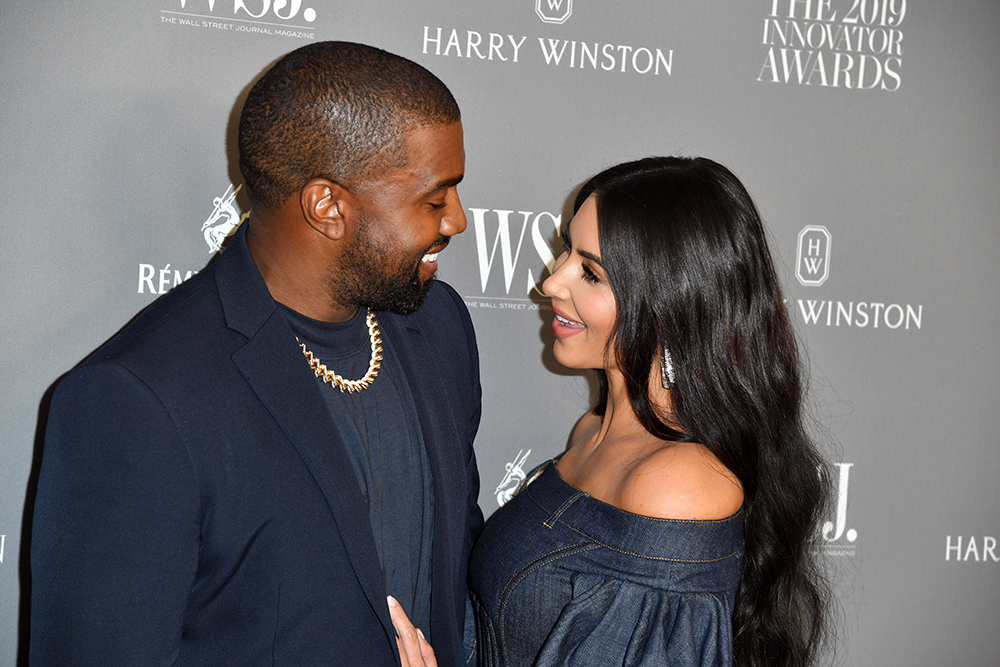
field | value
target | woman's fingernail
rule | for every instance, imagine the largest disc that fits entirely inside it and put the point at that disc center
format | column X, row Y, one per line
column 392, row 601
column 421, row 633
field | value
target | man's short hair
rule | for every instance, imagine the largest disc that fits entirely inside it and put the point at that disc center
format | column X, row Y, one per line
column 335, row 110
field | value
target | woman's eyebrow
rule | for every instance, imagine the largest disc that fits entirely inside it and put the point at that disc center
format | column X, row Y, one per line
column 591, row 256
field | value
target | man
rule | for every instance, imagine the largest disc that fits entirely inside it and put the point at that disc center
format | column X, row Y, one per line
column 209, row 493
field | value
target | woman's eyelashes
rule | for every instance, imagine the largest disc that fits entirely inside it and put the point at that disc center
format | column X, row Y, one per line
column 587, row 273
column 589, row 276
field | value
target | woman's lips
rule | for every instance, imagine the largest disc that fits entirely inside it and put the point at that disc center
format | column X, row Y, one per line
column 564, row 327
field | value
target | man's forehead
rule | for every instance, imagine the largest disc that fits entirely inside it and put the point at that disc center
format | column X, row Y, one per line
column 440, row 137
column 435, row 157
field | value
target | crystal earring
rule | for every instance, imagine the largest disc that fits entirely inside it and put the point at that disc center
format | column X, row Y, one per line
column 667, row 369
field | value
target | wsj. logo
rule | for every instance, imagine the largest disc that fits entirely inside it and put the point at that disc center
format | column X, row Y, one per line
column 515, row 475
column 812, row 259
column 554, row 11
column 291, row 9
column 511, row 252
column 836, row 529
column 224, row 219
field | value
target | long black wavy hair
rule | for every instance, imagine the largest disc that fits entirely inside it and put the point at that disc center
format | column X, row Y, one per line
column 686, row 256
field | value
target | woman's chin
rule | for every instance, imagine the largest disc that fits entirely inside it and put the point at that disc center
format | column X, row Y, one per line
column 567, row 358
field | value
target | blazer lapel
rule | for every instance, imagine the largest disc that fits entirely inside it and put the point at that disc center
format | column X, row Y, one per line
column 441, row 440
column 437, row 423
column 273, row 366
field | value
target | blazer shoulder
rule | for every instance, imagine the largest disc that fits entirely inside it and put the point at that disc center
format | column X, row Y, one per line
column 442, row 297
column 442, row 329
column 184, row 329
column 442, row 316
column 178, row 304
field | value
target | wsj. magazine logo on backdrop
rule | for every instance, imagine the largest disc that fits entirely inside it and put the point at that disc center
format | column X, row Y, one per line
column 277, row 18
column 500, row 47
column 838, row 539
column 514, row 255
column 220, row 224
column 812, row 269
column 847, row 44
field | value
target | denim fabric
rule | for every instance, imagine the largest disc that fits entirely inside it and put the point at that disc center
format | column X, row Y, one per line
column 560, row 578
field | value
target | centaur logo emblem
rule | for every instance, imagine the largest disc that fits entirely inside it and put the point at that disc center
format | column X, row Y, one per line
column 223, row 221
column 812, row 259
column 515, row 475
column 554, row 11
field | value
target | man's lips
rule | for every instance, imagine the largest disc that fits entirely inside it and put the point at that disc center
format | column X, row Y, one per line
column 432, row 253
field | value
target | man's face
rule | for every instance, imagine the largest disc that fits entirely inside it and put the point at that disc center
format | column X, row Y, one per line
column 406, row 217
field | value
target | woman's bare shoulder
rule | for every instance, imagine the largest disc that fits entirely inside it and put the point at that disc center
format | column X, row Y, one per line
column 681, row 480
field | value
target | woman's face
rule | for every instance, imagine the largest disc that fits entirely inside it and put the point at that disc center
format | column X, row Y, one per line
column 582, row 300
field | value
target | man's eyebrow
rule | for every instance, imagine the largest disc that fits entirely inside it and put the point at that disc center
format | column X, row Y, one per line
column 445, row 184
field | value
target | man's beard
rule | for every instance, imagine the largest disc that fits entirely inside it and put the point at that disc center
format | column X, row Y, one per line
column 373, row 275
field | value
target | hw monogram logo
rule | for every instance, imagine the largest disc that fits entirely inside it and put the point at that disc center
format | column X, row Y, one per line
column 554, row 11
column 812, row 259
column 223, row 221
column 836, row 529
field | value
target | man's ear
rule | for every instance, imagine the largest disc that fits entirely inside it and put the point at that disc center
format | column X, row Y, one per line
column 326, row 206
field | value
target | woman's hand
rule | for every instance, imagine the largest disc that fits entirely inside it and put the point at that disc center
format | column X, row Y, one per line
column 414, row 650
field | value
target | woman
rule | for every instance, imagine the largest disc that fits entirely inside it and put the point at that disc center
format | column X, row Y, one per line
column 676, row 529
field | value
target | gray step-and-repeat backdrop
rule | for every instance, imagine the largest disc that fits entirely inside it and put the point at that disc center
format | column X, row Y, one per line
column 868, row 131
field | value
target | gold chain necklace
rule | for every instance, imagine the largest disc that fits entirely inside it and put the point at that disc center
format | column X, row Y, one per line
column 336, row 380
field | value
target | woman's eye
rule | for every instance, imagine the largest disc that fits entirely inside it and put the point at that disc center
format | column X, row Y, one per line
column 589, row 275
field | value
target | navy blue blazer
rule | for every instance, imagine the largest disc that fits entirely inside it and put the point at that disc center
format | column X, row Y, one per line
column 194, row 506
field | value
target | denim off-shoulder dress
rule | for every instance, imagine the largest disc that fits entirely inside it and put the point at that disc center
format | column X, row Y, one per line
column 560, row 578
